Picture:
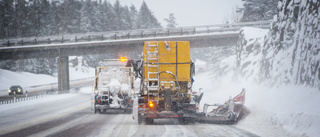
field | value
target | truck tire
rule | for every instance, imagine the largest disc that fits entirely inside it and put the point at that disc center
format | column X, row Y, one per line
column 183, row 121
column 128, row 111
column 141, row 120
column 149, row 120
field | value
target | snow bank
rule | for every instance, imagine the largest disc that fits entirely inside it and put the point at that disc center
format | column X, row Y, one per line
column 43, row 100
column 26, row 79
column 293, row 108
column 278, row 107
column 279, row 111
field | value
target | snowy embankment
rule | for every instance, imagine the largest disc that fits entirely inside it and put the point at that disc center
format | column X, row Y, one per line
column 281, row 110
column 26, row 79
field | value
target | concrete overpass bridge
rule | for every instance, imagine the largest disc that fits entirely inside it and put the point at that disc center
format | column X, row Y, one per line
column 116, row 42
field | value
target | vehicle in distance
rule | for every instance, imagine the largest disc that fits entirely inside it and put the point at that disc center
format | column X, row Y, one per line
column 15, row 89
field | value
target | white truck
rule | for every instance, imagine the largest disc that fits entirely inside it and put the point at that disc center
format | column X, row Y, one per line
column 113, row 86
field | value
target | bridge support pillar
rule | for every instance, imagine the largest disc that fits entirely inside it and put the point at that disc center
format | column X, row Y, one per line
column 63, row 74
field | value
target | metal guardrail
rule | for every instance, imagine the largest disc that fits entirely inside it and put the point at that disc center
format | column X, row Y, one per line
column 22, row 98
column 131, row 34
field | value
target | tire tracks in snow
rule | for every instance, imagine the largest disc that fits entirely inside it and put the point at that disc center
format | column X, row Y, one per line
column 36, row 119
column 197, row 130
column 88, row 126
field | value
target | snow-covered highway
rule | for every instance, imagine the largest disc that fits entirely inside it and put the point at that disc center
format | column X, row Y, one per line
column 70, row 115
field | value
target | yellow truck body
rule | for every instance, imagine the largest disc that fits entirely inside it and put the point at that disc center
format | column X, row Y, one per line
column 175, row 60
column 166, row 82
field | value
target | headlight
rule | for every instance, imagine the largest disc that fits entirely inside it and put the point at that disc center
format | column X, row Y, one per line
column 9, row 90
column 19, row 90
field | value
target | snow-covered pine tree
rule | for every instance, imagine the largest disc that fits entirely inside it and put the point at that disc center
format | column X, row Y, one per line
column 70, row 16
column 6, row 19
column 89, row 17
column 126, row 18
column 108, row 14
column 146, row 19
column 133, row 14
column 257, row 10
column 118, row 18
column 171, row 21
column 20, row 18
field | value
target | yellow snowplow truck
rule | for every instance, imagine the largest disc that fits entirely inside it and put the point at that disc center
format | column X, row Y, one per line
column 166, row 80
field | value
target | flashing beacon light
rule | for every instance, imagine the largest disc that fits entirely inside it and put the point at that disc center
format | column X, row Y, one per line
column 123, row 59
column 151, row 105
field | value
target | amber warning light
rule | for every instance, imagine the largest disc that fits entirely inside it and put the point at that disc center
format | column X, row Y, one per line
column 123, row 59
column 151, row 105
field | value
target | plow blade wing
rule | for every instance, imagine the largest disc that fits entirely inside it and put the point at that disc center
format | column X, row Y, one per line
column 227, row 113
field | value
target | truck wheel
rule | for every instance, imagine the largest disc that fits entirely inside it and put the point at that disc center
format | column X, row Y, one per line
column 192, row 120
column 141, row 120
column 128, row 111
column 95, row 110
column 183, row 121
column 149, row 120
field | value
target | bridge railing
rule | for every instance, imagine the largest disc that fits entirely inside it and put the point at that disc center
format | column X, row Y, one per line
column 131, row 34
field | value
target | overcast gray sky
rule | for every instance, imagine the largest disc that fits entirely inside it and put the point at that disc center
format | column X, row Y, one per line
column 188, row 12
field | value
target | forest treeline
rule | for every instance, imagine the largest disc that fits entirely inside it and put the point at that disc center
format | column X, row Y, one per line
column 25, row 18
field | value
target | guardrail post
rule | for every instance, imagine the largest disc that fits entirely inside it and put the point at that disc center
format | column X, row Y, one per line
column 194, row 30
column 168, row 32
column 75, row 39
column 102, row 37
column 35, row 41
column 208, row 30
column 8, row 43
column 128, row 35
column 141, row 34
column 49, row 41
column 115, row 36
column 89, row 38
column 22, row 42
column 155, row 34
column 181, row 31
column 62, row 40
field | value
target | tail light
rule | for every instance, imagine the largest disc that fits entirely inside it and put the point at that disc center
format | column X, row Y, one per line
column 142, row 106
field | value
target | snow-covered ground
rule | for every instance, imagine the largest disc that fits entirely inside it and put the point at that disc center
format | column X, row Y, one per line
column 281, row 111
column 26, row 79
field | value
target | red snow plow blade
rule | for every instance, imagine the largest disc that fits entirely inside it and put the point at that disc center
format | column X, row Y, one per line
column 227, row 113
